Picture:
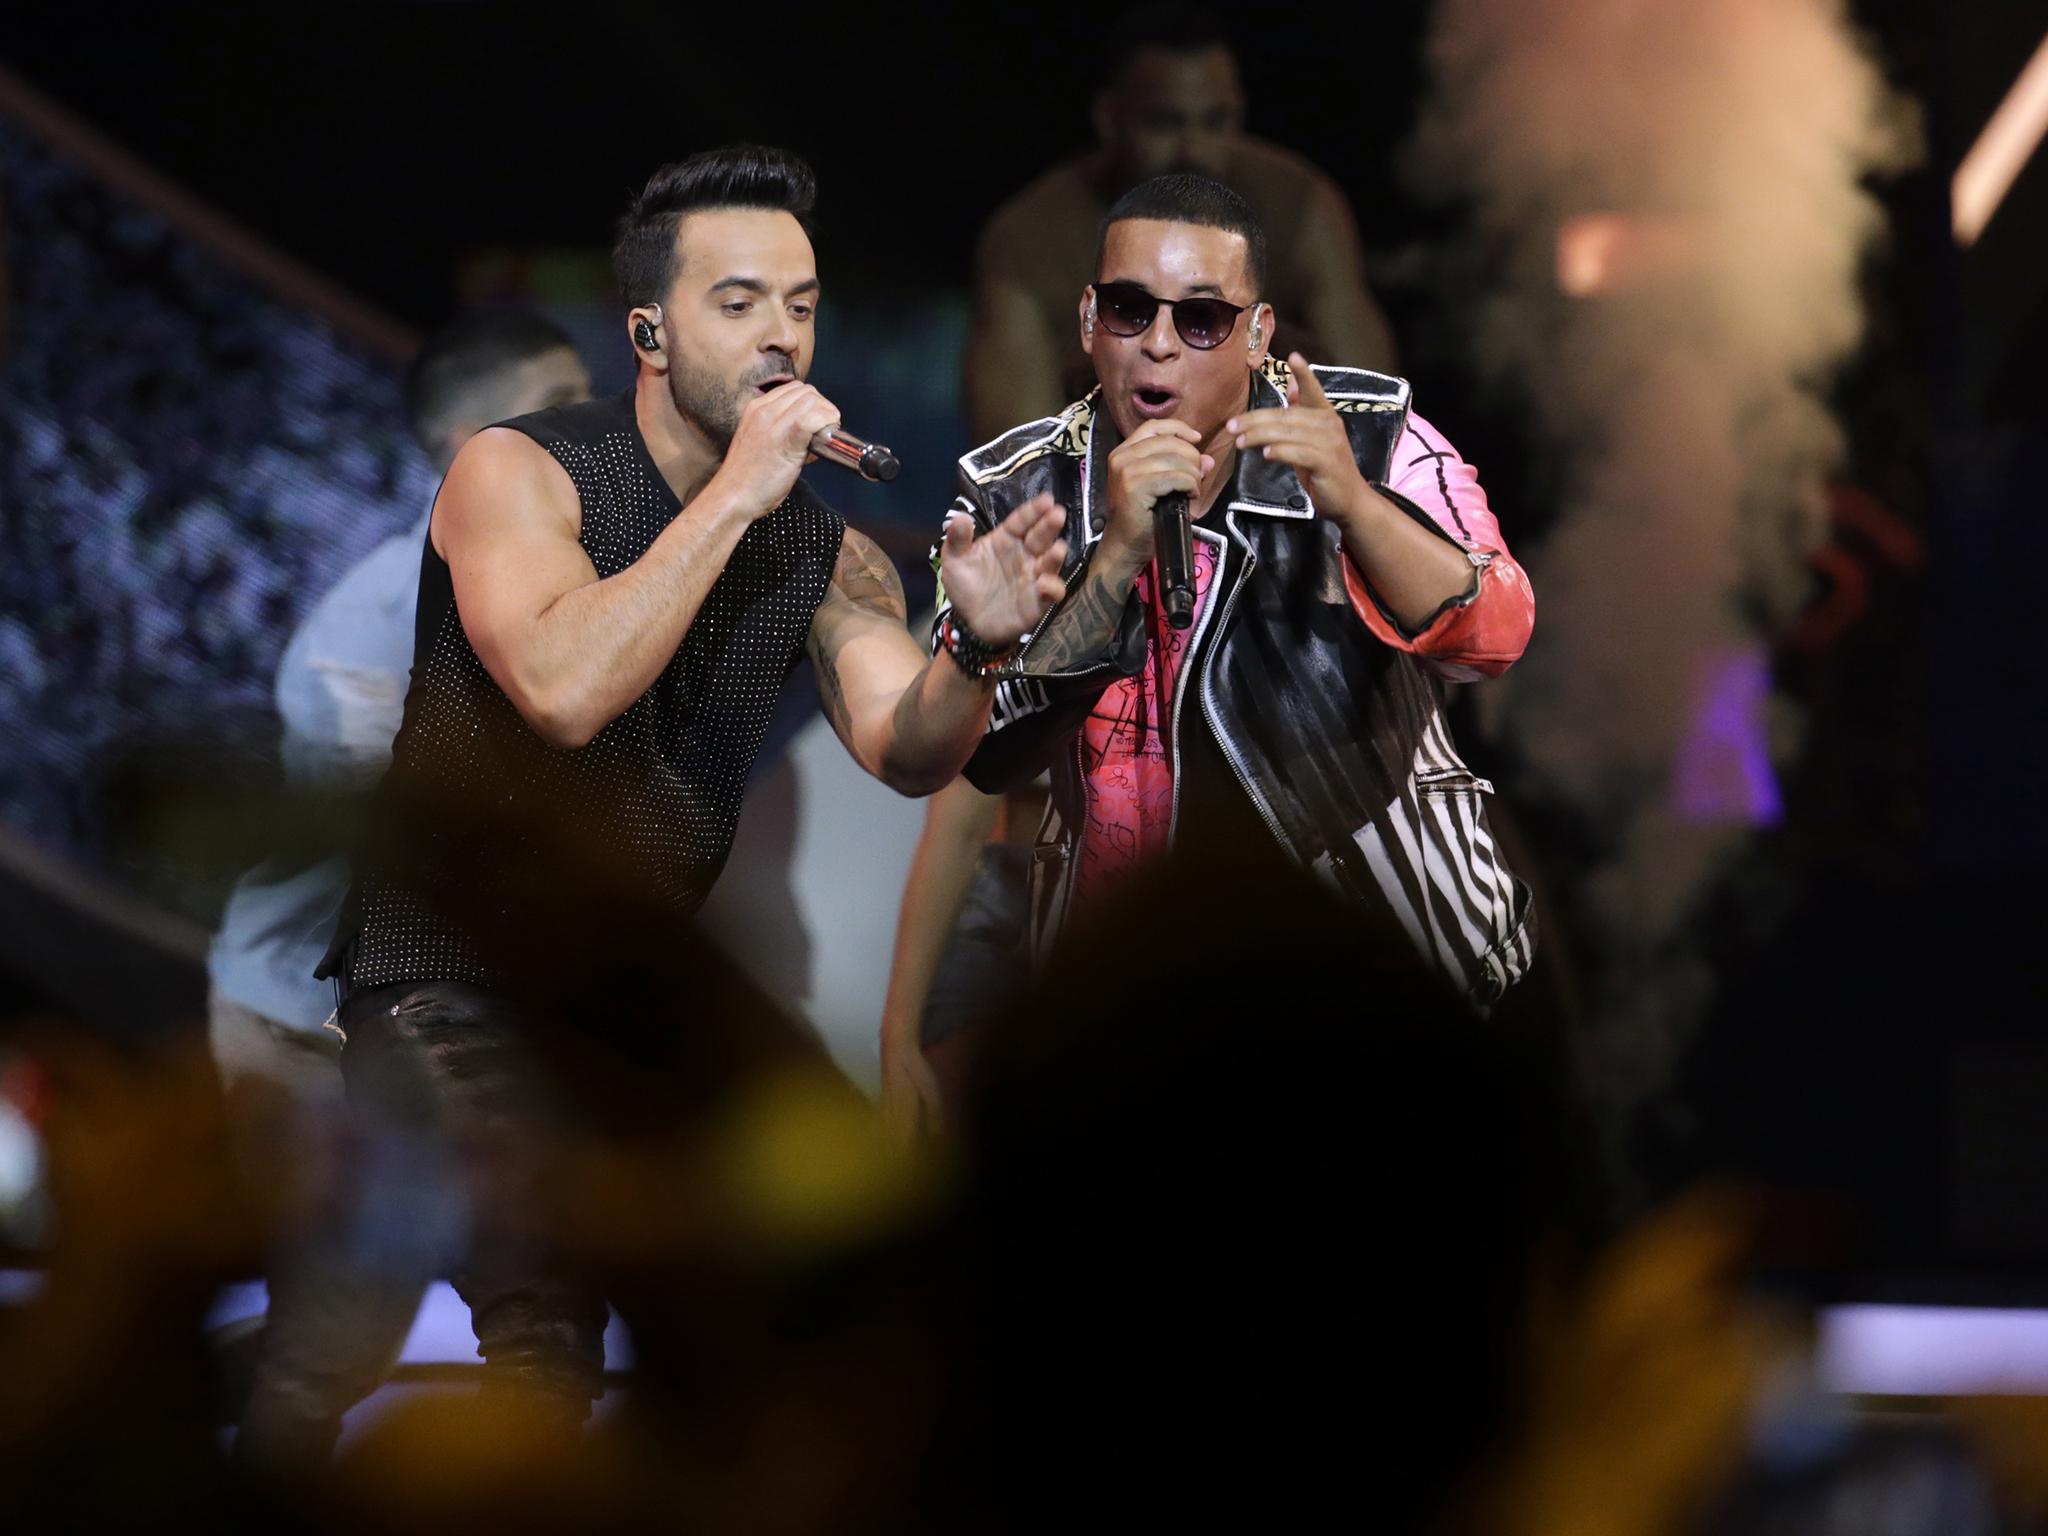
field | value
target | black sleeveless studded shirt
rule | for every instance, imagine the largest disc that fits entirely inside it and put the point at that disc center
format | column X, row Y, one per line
column 658, row 789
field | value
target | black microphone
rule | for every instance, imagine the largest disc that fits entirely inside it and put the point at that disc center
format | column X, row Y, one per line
column 1174, row 541
column 871, row 461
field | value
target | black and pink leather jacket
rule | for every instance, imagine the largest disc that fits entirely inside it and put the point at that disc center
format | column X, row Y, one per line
column 1328, row 711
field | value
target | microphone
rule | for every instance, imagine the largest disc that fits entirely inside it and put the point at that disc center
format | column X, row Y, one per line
column 1175, row 556
column 871, row 461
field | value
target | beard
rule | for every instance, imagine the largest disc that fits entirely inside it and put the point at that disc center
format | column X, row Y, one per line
column 705, row 401
column 711, row 404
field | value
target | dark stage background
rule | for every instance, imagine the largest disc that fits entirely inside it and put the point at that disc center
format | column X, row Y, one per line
column 1876, row 1032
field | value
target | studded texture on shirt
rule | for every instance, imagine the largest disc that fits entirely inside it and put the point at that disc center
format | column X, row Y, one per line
column 659, row 787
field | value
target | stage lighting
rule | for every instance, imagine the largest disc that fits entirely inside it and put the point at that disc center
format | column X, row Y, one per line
column 1994, row 161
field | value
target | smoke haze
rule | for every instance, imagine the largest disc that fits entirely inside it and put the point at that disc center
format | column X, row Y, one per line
column 1705, row 165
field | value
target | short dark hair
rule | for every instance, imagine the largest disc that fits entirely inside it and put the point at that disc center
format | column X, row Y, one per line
column 737, row 176
column 465, row 354
column 1184, row 198
column 1173, row 28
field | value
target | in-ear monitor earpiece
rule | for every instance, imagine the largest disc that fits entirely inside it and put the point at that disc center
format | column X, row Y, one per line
column 643, row 331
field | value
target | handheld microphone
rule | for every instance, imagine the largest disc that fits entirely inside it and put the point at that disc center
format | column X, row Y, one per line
column 1175, row 542
column 871, row 461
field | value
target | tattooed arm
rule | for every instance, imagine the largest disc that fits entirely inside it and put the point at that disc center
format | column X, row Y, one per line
column 912, row 721
column 1082, row 628
column 1093, row 637
column 1160, row 458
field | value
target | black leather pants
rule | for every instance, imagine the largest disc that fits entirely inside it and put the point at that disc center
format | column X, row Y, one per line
column 435, row 1066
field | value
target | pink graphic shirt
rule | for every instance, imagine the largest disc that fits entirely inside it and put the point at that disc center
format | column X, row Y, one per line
column 1127, row 747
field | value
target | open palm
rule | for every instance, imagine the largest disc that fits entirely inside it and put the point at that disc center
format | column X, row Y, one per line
column 1002, row 583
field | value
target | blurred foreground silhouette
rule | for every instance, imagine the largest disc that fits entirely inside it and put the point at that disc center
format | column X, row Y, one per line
column 1244, row 1220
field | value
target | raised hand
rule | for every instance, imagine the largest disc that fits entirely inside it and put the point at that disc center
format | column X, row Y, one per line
column 1308, row 436
column 1002, row 583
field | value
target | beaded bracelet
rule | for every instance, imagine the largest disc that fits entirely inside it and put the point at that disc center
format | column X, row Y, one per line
column 971, row 654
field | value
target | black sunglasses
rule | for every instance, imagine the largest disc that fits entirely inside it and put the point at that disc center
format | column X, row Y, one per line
column 1125, row 309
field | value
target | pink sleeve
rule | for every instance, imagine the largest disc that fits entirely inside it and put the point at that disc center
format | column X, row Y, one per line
column 1429, row 472
column 1483, row 633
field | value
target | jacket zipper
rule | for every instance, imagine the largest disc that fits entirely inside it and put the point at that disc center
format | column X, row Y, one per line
column 1017, row 667
column 1251, row 561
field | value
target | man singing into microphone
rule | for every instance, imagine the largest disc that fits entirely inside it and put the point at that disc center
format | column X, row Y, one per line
column 611, row 596
column 1344, row 563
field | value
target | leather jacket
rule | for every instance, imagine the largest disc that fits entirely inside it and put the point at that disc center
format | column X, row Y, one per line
column 1328, row 712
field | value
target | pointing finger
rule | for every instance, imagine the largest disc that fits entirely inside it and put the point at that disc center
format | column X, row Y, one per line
column 1303, row 378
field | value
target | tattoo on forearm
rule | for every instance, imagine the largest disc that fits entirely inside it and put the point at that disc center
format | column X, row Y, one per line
column 1082, row 627
column 831, row 692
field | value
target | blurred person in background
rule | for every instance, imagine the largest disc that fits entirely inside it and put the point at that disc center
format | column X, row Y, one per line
column 960, row 945
column 611, row 597
column 341, row 692
column 1345, row 565
column 1171, row 100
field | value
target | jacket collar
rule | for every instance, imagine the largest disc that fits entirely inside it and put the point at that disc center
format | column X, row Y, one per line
column 1257, row 486
column 1260, row 486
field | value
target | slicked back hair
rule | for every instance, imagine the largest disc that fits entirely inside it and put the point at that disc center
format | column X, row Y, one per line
column 1184, row 198
column 737, row 176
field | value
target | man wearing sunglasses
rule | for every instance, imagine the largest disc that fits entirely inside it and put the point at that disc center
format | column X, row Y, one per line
column 1345, row 565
